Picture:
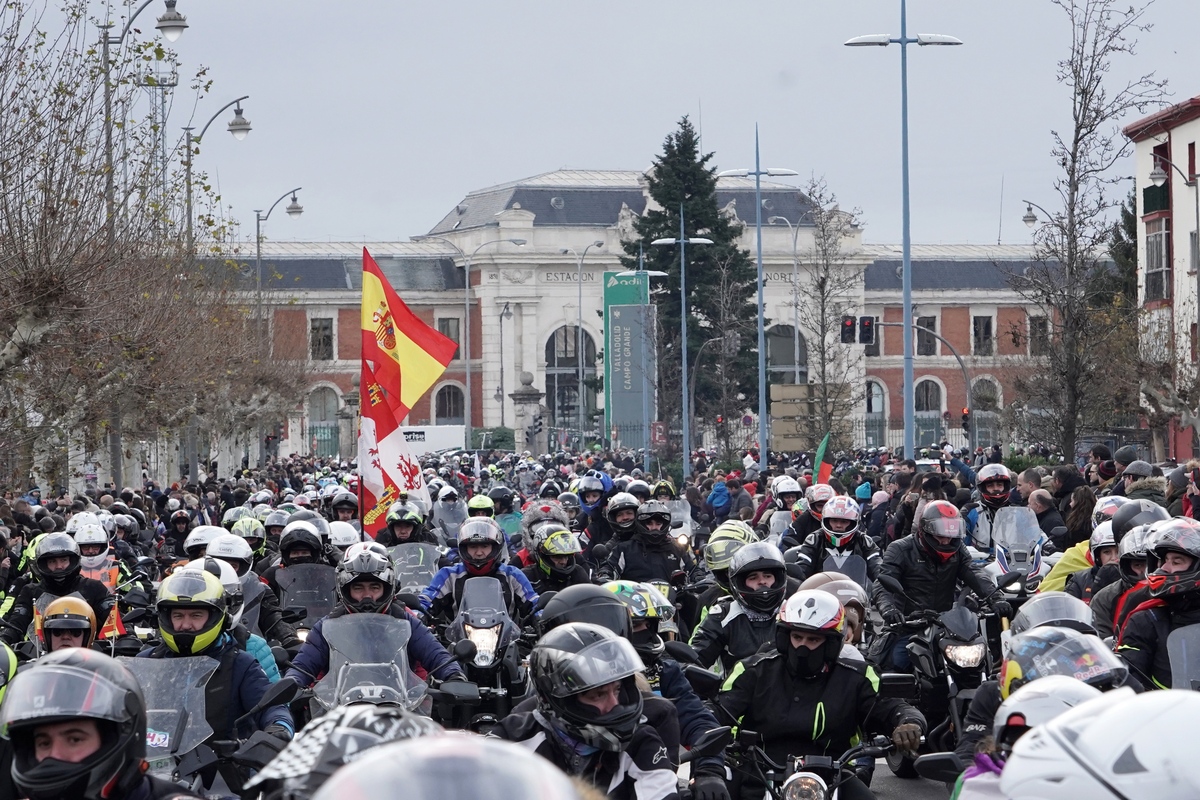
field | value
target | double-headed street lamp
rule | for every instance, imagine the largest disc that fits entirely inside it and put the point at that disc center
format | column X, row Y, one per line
column 758, row 172
column 579, row 331
column 683, row 241
column 466, row 338
column 883, row 40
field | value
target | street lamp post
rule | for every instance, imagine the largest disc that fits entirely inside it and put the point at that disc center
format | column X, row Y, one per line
column 758, row 172
column 579, row 332
column 466, row 339
column 883, row 40
column 505, row 313
column 239, row 126
column 683, row 241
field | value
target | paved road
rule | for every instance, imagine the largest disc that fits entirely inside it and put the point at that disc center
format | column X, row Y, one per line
column 887, row 786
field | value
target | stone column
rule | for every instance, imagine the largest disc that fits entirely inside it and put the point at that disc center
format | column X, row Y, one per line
column 527, row 402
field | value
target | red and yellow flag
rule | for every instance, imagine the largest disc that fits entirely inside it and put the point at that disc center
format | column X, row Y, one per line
column 114, row 626
column 409, row 356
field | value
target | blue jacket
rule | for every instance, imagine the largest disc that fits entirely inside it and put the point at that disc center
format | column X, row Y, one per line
column 694, row 717
column 249, row 685
column 312, row 662
column 442, row 587
column 257, row 646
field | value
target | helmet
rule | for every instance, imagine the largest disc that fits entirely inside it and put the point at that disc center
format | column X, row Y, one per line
column 79, row 519
column 70, row 613
column 840, row 508
column 224, row 572
column 436, row 768
column 588, row 485
column 640, row 490
column 1120, row 745
column 261, row 498
column 786, row 485
column 992, row 473
column 75, row 684
column 1133, row 550
column 342, row 535
column 261, row 511
column 481, row 506
column 481, row 530
column 621, row 501
column 344, row 499
column 192, row 589
column 727, row 539
column 758, row 557
column 233, row 515
column 664, row 487
column 576, row 657
column 541, row 512
column 276, row 519
column 816, row 497
column 798, row 508
column 232, row 549
column 1107, row 506
column 647, row 606
column 654, row 511
column 810, row 611
column 447, row 494
column 299, row 534
column 1055, row 609
column 848, row 593
column 549, row 490
column 127, row 525
column 553, row 540
column 91, row 536
column 1180, row 535
column 319, row 523
column 406, row 513
column 940, row 519
column 570, row 504
column 1035, row 704
column 57, row 545
column 1102, row 536
column 176, row 517
column 250, row 529
column 360, row 564
column 107, row 522
column 586, row 602
column 198, row 539
column 1059, row 651
column 503, row 497
column 1134, row 513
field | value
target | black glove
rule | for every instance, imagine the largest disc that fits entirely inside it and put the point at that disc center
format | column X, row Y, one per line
column 280, row 732
column 893, row 616
column 709, row 787
column 1002, row 607
column 455, row 676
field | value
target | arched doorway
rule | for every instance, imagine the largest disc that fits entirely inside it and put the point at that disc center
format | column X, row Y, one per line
column 562, row 380
column 927, row 408
column 876, row 415
column 787, row 355
column 324, row 437
column 448, row 406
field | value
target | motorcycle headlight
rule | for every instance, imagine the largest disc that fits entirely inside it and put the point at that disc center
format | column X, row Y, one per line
column 485, row 640
column 804, row 786
column 683, row 541
column 302, row 634
column 965, row 655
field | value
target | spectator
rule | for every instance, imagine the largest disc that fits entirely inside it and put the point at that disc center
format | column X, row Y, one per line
column 1079, row 517
column 877, row 515
column 1122, row 458
column 1048, row 517
column 1140, row 483
column 1106, row 472
column 1027, row 482
column 739, row 499
column 1065, row 479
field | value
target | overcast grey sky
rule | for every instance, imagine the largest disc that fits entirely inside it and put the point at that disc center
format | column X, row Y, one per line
column 387, row 112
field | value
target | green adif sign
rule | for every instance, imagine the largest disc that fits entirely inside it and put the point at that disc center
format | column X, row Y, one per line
column 619, row 291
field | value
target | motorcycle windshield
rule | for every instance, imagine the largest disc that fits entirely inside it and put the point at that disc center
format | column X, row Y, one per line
column 252, row 596
column 681, row 511
column 1183, row 648
column 174, row 692
column 853, row 566
column 780, row 522
column 1016, row 534
column 416, row 564
column 368, row 662
column 312, row 587
column 961, row 623
column 483, row 618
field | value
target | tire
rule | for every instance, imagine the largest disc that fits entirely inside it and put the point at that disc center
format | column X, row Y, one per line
column 901, row 766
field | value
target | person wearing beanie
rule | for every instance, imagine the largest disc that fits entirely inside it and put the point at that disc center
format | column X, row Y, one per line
column 1121, row 460
column 877, row 516
column 1105, row 471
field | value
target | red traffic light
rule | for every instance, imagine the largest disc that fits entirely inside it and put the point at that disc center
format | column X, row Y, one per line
column 849, row 329
column 966, row 412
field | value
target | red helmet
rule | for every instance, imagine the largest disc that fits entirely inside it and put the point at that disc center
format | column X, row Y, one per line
column 817, row 496
column 840, row 508
column 940, row 520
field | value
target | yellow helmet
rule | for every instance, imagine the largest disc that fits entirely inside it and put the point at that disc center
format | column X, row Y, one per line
column 70, row 613
column 190, row 589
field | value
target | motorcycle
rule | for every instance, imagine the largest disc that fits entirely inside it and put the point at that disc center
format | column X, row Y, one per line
column 851, row 564
column 368, row 663
column 1018, row 542
column 484, row 638
column 307, row 592
column 812, row 777
column 416, row 564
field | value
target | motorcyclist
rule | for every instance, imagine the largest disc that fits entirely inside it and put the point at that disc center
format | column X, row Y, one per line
column 651, row 554
column 1125, row 515
column 300, row 544
column 928, row 564
column 803, row 700
column 621, row 515
column 535, row 514
column 405, row 523
column 556, row 554
column 68, row 622
column 785, row 491
column 738, row 625
column 344, row 507
column 57, row 565
column 809, row 520
column 1103, row 546
column 448, row 512
column 570, row 504
column 481, row 506
column 727, row 539
column 77, row 723
column 995, row 492
column 1131, row 562
column 840, row 534
column 664, row 492
column 591, row 493
column 481, row 546
column 588, row 720
column 236, row 552
column 366, row 585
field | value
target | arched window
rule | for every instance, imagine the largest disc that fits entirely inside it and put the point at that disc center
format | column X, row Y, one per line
column 325, row 438
column 928, row 397
column 562, row 378
column 782, row 359
column 875, row 420
column 985, row 395
column 448, row 406
column 927, row 405
column 876, row 402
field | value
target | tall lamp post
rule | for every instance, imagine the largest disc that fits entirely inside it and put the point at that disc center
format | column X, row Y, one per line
column 683, row 241
column 294, row 210
column 795, row 231
column 579, row 332
column 758, row 172
column 466, row 342
column 883, row 40
column 172, row 24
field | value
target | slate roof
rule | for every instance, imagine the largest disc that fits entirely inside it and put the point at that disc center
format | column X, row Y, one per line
column 943, row 274
column 405, row 273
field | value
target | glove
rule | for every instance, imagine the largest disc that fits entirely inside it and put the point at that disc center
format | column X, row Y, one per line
column 280, row 732
column 709, row 787
column 907, row 737
column 1002, row 608
column 893, row 616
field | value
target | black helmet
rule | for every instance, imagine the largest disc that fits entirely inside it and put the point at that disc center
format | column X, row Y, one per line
column 362, row 562
column 503, row 497
column 300, row 534
column 76, row 684
column 639, row 489
column 585, row 602
column 481, row 530
column 574, row 658
column 664, row 487
column 550, row 490
column 276, row 519
column 314, row 519
column 758, row 557
column 621, row 501
column 57, row 545
column 1134, row 513
column 940, row 519
column 656, row 511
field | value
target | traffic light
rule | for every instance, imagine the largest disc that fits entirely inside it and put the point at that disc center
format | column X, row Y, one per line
column 966, row 420
column 720, row 419
column 848, row 326
column 538, row 424
column 866, row 330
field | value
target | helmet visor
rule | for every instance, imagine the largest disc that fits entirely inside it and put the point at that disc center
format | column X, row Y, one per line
column 598, row 664
column 58, row 690
column 1053, row 608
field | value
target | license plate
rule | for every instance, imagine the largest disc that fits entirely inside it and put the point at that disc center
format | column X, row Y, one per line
column 161, row 766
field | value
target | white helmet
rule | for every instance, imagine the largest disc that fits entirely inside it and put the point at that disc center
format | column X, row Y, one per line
column 1036, row 703
column 232, row 548
column 81, row 518
column 375, row 547
column 200, row 536
column 448, row 493
column 785, row 484
column 342, row 535
column 91, row 533
column 1120, row 745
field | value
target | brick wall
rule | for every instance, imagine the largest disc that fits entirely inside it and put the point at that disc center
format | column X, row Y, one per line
column 956, row 327
column 1007, row 320
column 290, row 334
column 349, row 333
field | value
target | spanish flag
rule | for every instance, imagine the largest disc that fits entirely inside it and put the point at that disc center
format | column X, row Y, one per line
column 409, row 356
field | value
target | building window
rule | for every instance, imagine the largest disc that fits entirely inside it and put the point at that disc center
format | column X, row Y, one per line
column 983, row 343
column 782, row 354
column 875, row 398
column 448, row 406
column 927, row 398
column 449, row 327
column 320, row 338
column 1039, row 336
column 1158, row 260
column 926, row 342
column 872, row 349
column 562, row 377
